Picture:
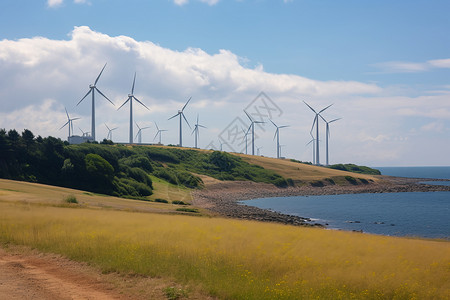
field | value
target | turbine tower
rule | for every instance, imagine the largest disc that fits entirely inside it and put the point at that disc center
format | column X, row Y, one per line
column 109, row 136
column 277, row 135
column 69, row 122
column 316, row 123
column 158, row 132
column 196, row 131
column 130, row 99
column 252, row 127
column 181, row 114
column 259, row 150
column 328, row 133
column 92, row 89
column 139, row 133
column 245, row 137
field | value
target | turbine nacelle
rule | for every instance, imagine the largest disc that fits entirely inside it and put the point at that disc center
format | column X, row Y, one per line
column 130, row 95
column 92, row 86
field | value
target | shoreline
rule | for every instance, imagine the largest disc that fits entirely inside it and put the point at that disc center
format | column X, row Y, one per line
column 221, row 198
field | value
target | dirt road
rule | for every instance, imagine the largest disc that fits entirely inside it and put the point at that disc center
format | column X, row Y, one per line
column 31, row 275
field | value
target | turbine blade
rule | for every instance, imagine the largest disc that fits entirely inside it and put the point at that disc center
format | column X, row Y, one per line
column 114, row 128
column 137, row 125
column 273, row 123
column 156, row 134
column 64, row 125
column 134, row 80
column 275, row 135
column 90, row 90
column 186, row 120
column 202, row 126
column 284, row 126
column 334, row 120
column 107, row 127
column 124, row 103
column 251, row 120
column 186, row 103
column 173, row 116
column 98, row 77
column 140, row 102
column 104, row 96
column 145, row 127
column 310, row 107
column 137, row 134
column 323, row 118
column 67, row 113
column 325, row 108
column 157, row 128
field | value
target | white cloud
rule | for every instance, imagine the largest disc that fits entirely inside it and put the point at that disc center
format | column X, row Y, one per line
column 412, row 67
column 42, row 76
column 54, row 3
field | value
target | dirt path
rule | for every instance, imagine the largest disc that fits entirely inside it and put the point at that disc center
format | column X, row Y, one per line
column 48, row 277
column 26, row 274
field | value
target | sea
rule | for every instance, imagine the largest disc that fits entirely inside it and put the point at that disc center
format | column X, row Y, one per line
column 411, row 214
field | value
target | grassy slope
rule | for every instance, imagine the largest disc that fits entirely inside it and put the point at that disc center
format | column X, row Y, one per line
column 301, row 172
column 229, row 259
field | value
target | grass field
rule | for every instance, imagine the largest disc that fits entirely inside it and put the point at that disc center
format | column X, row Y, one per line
column 301, row 172
column 229, row 259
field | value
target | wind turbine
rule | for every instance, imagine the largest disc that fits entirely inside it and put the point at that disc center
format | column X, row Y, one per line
column 139, row 133
column 84, row 133
column 252, row 126
column 92, row 89
column 328, row 132
column 277, row 135
column 109, row 136
column 196, row 131
column 181, row 114
column 245, row 137
column 130, row 98
column 259, row 148
column 221, row 145
column 158, row 132
column 316, row 123
column 314, row 149
column 280, row 149
column 69, row 122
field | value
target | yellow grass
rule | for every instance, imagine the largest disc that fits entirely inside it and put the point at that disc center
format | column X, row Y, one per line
column 298, row 171
column 234, row 259
column 40, row 193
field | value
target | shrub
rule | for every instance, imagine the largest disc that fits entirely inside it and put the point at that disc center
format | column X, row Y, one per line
column 70, row 199
column 192, row 210
column 351, row 179
column 178, row 202
column 161, row 200
column 317, row 183
column 363, row 180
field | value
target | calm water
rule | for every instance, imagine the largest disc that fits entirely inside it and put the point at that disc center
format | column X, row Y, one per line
column 425, row 214
column 417, row 172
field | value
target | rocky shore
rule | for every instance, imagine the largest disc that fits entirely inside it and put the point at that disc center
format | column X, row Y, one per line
column 222, row 197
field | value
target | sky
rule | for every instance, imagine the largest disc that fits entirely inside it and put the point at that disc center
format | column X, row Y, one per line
column 383, row 65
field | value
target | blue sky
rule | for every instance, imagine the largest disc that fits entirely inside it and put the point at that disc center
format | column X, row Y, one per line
column 385, row 65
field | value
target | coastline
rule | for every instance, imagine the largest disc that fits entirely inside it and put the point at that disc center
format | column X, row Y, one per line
column 222, row 197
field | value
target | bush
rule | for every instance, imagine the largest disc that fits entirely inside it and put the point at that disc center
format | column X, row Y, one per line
column 161, row 200
column 317, row 183
column 70, row 199
column 351, row 180
column 178, row 202
column 192, row 210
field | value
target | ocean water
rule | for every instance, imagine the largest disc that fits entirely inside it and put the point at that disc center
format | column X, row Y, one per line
column 420, row 214
column 417, row 172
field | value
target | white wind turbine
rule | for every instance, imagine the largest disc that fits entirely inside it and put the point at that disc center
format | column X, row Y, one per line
column 92, row 89
column 139, row 133
column 328, row 133
column 259, row 150
column 197, row 132
column 316, row 123
column 245, row 137
column 130, row 99
column 252, row 127
column 109, row 136
column 158, row 132
column 181, row 114
column 277, row 135
column 69, row 122
column 84, row 134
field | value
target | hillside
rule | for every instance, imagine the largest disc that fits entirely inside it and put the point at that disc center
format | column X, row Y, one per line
column 150, row 172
